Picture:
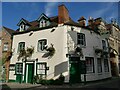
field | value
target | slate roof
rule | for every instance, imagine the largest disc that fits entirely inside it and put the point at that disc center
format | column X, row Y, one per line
column 81, row 18
column 10, row 31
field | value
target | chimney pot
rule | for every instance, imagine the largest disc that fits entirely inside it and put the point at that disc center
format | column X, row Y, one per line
column 82, row 21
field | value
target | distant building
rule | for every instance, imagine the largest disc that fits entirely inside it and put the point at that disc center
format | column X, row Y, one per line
column 114, row 41
column 5, row 48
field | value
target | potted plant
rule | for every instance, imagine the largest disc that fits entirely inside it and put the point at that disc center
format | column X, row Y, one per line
column 99, row 52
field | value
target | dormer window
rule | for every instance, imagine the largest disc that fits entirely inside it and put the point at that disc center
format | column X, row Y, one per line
column 43, row 23
column 23, row 24
column 44, row 20
column 22, row 27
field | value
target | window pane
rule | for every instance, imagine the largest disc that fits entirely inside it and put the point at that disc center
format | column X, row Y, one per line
column 5, row 47
column 104, row 44
column 19, row 68
column 89, row 64
column 81, row 39
column 99, row 64
column 106, row 66
column 21, row 46
column 41, row 68
column 41, row 44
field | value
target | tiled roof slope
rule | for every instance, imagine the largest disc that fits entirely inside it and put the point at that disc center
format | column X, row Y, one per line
column 10, row 31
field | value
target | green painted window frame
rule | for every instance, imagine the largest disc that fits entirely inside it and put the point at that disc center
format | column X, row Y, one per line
column 21, row 46
column 16, row 68
column 81, row 38
column 45, row 68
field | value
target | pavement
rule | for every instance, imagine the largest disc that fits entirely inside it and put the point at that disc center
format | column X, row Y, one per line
column 113, row 83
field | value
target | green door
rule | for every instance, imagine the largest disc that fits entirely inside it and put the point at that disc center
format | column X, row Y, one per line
column 19, row 78
column 75, row 76
column 18, row 72
column 30, row 73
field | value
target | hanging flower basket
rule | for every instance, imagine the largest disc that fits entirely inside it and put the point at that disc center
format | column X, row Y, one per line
column 78, row 51
column 50, row 52
column 24, row 54
column 98, row 51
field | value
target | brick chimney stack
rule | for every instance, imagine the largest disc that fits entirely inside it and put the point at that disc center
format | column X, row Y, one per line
column 63, row 14
column 82, row 21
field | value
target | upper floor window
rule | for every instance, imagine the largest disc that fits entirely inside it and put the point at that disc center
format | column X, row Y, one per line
column 41, row 44
column 104, row 45
column 43, row 23
column 43, row 20
column 6, row 46
column 81, row 39
column 21, row 46
column 22, row 27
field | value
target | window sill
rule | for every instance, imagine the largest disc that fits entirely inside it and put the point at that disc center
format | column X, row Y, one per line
column 4, row 51
column 41, row 51
column 100, row 73
column 82, row 46
column 18, row 74
column 106, row 71
column 89, row 72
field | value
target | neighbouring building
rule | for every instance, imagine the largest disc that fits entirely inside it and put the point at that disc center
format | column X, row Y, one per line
column 60, row 46
column 114, row 41
column 5, row 48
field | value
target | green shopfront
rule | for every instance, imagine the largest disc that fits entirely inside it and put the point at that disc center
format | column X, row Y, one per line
column 25, row 71
column 77, row 67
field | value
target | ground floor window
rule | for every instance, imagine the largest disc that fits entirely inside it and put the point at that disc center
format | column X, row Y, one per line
column 41, row 69
column 99, row 65
column 19, row 68
column 106, row 65
column 89, row 64
column 12, row 67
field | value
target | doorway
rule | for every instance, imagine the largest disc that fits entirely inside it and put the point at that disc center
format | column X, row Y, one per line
column 75, row 75
column 29, row 73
